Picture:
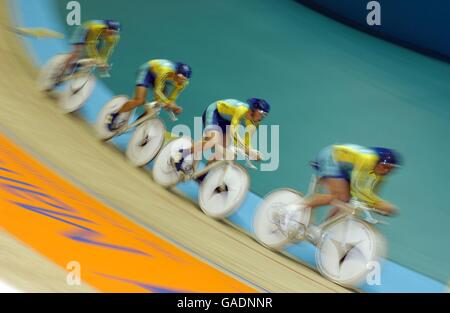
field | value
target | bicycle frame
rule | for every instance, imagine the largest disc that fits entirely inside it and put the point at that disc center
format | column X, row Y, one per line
column 154, row 108
column 215, row 164
column 211, row 166
column 88, row 67
column 352, row 209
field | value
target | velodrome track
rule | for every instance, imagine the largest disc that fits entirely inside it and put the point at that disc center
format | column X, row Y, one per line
column 68, row 145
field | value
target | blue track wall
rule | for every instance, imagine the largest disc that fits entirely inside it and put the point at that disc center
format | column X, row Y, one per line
column 418, row 24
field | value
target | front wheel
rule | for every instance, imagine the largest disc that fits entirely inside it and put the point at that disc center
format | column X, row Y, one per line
column 164, row 173
column 266, row 222
column 77, row 93
column 146, row 142
column 348, row 250
column 101, row 125
column 223, row 190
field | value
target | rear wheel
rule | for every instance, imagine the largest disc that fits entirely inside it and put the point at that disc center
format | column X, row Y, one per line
column 267, row 218
column 101, row 125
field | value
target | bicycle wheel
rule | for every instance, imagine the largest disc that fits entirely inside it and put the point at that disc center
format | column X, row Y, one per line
column 101, row 125
column 163, row 171
column 266, row 219
column 346, row 250
column 223, row 189
column 48, row 73
column 77, row 92
column 146, row 142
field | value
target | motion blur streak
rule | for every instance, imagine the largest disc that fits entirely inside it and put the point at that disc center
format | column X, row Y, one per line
column 115, row 255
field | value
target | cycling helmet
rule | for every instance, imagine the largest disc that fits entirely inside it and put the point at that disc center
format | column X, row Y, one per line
column 387, row 156
column 113, row 25
column 183, row 69
column 259, row 104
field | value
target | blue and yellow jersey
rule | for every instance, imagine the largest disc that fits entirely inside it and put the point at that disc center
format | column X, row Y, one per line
column 235, row 112
column 98, row 45
column 164, row 72
column 362, row 161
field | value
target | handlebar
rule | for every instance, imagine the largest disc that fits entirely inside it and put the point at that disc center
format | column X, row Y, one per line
column 364, row 207
column 172, row 116
column 155, row 105
column 88, row 62
column 355, row 205
column 241, row 150
column 91, row 64
column 249, row 164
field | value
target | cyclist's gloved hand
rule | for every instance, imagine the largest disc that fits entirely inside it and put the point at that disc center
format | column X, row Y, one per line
column 387, row 209
column 175, row 108
column 104, row 70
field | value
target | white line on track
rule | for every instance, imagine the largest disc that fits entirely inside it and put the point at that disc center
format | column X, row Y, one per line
column 5, row 288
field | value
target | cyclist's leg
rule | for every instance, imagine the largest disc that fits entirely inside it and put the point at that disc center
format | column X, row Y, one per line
column 333, row 178
column 144, row 80
column 78, row 42
column 212, row 137
column 140, row 96
column 215, row 130
column 338, row 189
column 119, row 118
column 69, row 63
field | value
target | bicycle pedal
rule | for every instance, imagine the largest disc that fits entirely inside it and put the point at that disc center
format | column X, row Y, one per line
column 184, row 177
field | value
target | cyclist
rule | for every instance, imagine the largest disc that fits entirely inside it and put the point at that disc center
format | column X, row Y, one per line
column 220, row 123
column 94, row 39
column 162, row 76
column 347, row 171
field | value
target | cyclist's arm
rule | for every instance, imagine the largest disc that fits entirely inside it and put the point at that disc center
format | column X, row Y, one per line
column 108, row 49
column 92, row 41
column 91, row 47
column 238, row 115
column 249, row 131
column 362, row 185
column 160, row 84
column 176, row 92
column 92, row 37
column 364, row 182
